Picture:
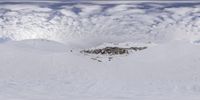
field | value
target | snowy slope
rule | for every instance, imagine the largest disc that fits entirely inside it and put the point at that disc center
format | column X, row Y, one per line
column 40, row 48
column 169, row 71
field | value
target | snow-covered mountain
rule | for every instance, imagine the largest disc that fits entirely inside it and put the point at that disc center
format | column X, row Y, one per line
column 40, row 48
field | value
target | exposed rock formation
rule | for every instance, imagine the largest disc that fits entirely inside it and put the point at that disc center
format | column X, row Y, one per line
column 112, row 50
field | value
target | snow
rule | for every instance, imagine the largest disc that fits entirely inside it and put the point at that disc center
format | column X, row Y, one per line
column 40, row 56
column 169, row 71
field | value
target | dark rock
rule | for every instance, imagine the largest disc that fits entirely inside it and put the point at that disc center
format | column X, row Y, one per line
column 113, row 50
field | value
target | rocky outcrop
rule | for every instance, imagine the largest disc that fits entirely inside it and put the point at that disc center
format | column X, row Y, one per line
column 112, row 50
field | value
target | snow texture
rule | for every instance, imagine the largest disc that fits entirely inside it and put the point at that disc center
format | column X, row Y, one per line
column 40, row 48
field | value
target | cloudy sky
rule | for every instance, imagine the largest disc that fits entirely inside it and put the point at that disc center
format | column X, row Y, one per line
column 98, row 0
column 89, row 0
